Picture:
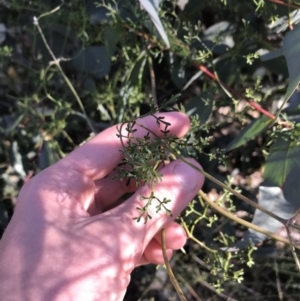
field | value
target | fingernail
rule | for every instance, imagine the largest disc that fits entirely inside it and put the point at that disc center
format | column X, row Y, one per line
column 187, row 176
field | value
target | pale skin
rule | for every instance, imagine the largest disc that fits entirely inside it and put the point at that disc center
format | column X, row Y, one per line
column 69, row 239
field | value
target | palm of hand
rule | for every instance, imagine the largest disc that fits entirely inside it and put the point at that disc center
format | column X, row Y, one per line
column 65, row 241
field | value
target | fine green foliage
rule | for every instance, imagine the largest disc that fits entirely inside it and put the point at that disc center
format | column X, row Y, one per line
column 70, row 69
column 142, row 158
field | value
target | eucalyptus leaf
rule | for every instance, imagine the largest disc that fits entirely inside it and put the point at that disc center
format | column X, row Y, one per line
column 294, row 107
column 228, row 69
column 274, row 200
column 2, row 33
column 282, row 23
column 276, row 65
column 291, row 48
column 152, row 9
column 202, row 105
column 93, row 60
column 90, row 84
column 178, row 72
column 284, row 157
column 218, row 38
column 111, row 38
column 249, row 132
column 274, row 61
column 270, row 55
column 155, row 3
column 137, row 70
column 47, row 156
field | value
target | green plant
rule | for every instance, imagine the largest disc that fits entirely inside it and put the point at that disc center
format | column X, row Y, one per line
column 84, row 66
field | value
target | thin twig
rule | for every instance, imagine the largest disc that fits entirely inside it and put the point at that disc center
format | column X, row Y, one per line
column 270, row 281
column 287, row 225
column 243, row 222
column 289, row 17
column 190, row 236
column 190, row 289
column 153, row 82
column 168, row 267
column 210, row 287
column 280, row 2
column 221, row 184
column 278, row 286
column 230, row 91
column 56, row 62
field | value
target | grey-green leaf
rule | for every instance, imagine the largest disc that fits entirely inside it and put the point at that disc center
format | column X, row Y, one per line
column 202, row 105
column 93, row 60
column 152, row 10
column 47, row 156
column 291, row 48
column 274, row 200
column 284, row 158
column 250, row 131
column 280, row 193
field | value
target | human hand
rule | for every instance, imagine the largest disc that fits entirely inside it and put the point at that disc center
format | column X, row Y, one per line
column 68, row 238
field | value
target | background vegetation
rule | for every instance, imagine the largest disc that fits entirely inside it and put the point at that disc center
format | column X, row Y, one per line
column 236, row 65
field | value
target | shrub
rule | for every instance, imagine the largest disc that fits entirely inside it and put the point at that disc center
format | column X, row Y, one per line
column 71, row 69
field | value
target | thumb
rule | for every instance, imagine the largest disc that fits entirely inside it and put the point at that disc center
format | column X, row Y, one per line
column 180, row 183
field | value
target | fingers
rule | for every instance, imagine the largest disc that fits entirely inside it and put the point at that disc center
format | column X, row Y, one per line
column 180, row 183
column 109, row 190
column 153, row 253
column 99, row 156
column 175, row 239
column 108, row 193
column 71, row 180
column 175, row 236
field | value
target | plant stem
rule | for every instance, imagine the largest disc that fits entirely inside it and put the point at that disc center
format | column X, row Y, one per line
column 56, row 62
column 152, row 78
column 190, row 236
column 280, row 2
column 243, row 222
column 240, row 196
column 168, row 267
